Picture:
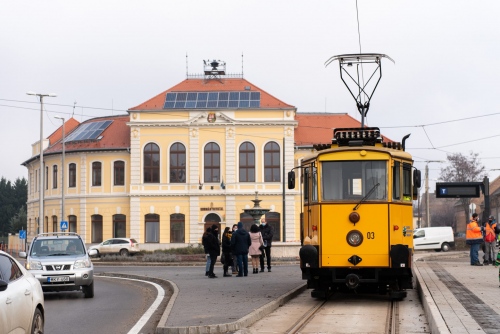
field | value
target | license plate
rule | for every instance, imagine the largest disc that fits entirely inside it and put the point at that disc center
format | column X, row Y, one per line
column 58, row 279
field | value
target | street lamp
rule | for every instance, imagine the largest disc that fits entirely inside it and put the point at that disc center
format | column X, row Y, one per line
column 42, row 172
column 63, row 217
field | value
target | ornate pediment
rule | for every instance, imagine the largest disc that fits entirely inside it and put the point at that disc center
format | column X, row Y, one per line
column 211, row 117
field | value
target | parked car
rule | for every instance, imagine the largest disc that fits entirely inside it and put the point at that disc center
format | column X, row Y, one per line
column 437, row 238
column 22, row 308
column 60, row 262
column 122, row 246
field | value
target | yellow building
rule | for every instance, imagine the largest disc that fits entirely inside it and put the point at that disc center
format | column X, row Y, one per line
column 192, row 156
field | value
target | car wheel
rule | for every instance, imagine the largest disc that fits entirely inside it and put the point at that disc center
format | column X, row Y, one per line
column 37, row 324
column 124, row 252
column 445, row 247
column 88, row 290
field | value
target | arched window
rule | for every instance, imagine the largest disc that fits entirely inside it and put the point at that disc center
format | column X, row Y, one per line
column 96, row 174
column 247, row 221
column 54, row 177
column 72, row 223
column 119, row 173
column 211, row 219
column 272, row 170
column 177, row 223
column 273, row 219
column 247, row 162
column 212, row 162
column 119, row 226
column 72, row 176
column 96, row 228
column 152, row 226
column 177, row 163
column 151, row 163
column 54, row 224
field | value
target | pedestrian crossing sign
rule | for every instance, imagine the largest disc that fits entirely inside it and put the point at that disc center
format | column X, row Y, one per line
column 22, row 234
column 64, row 225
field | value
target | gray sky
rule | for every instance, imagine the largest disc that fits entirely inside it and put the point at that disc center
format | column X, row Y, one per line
column 109, row 56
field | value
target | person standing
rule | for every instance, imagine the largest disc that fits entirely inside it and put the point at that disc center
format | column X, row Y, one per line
column 474, row 238
column 226, row 250
column 267, row 235
column 254, row 250
column 235, row 260
column 204, row 243
column 213, row 247
column 240, row 242
column 489, row 240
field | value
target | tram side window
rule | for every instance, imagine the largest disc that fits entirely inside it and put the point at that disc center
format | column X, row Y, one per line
column 314, row 190
column 306, row 184
column 396, row 180
column 407, row 196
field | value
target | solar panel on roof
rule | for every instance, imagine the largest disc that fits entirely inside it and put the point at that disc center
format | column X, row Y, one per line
column 88, row 131
column 204, row 100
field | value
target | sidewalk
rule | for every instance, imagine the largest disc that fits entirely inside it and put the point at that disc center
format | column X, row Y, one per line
column 458, row 297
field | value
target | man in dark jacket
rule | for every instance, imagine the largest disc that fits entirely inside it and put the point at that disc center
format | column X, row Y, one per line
column 267, row 235
column 240, row 242
column 213, row 248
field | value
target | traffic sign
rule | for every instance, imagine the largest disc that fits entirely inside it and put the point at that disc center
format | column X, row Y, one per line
column 64, row 225
column 22, row 234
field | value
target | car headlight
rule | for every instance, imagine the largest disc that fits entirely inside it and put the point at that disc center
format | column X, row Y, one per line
column 34, row 265
column 81, row 264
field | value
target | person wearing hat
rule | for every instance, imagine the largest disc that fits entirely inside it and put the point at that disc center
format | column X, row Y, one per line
column 240, row 242
column 474, row 238
column 489, row 240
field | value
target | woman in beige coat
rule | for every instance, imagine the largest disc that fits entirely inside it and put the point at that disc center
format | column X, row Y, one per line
column 254, row 249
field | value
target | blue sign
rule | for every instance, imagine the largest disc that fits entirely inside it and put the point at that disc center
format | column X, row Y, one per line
column 22, row 234
column 64, row 225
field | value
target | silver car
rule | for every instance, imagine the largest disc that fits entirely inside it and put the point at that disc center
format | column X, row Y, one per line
column 60, row 262
column 122, row 246
column 22, row 308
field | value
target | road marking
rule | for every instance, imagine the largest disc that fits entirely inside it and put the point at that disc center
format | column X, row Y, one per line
column 145, row 317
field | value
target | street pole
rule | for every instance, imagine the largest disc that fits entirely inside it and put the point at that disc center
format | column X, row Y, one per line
column 63, row 217
column 42, row 171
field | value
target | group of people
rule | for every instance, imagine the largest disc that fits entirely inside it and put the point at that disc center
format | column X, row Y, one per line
column 237, row 244
column 482, row 234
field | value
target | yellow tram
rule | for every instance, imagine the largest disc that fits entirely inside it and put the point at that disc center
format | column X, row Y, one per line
column 357, row 220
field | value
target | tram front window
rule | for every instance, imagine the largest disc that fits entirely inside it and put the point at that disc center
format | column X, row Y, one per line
column 352, row 180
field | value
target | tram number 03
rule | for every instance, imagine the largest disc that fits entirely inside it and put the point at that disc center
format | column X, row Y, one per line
column 370, row 235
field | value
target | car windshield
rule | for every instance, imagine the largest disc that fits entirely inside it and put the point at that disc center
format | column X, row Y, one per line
column 57, row 247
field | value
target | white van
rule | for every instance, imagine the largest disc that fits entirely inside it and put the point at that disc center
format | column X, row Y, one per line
column 437, row 238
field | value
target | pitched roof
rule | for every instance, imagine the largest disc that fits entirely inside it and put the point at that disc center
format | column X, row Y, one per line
column 69, row 126
column 267, row 101
column 317, row 128
column 115, row 136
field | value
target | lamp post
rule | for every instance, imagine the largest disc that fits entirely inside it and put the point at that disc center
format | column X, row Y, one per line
column 63, row 217
column 42, row 172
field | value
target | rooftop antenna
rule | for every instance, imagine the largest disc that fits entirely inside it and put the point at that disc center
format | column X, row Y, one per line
column 346, row 67
column 187, row 71
column 74, row 105
column 242, row 64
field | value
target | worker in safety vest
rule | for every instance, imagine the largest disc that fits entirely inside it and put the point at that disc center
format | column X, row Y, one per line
column 474, row 238
column 489, row 241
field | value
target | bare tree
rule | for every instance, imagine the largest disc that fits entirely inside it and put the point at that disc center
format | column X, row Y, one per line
column 463, row 169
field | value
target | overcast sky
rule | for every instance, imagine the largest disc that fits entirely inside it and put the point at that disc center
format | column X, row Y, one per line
column 109, row 56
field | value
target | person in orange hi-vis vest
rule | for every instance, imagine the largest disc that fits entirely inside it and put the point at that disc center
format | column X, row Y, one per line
column 489, row 240
column 474, row 238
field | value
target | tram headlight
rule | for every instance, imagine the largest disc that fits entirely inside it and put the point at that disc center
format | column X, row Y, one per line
column 354, row 238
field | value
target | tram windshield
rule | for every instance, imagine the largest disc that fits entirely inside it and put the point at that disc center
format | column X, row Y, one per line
column 353, row 180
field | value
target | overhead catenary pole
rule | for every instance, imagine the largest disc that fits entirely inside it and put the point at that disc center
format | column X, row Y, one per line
column 42, row 172
column 63, row 217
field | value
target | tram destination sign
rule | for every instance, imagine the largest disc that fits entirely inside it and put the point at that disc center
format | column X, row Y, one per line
column 458, row 189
